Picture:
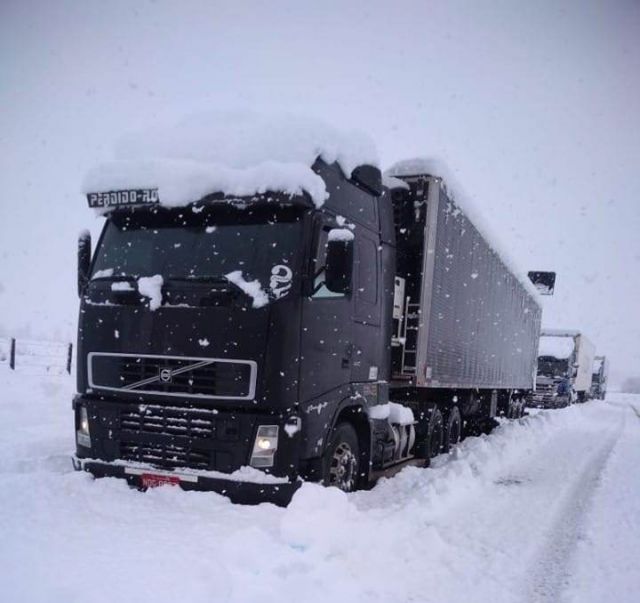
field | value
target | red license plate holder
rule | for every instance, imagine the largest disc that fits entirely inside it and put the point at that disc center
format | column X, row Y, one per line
column 153, row 480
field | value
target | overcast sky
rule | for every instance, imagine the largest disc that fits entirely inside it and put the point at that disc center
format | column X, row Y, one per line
column 534, row 105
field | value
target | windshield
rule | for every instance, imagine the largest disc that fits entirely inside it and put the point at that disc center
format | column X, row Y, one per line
column 199, row 243
column 553, row 367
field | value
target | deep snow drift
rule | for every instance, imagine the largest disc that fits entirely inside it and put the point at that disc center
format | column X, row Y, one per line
column 545, row 509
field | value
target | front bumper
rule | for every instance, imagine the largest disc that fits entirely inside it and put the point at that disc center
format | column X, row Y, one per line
column 239, row 492
column 549, row 401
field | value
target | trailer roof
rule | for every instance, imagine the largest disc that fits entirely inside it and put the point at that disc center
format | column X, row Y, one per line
column 421, row 166
column 237, row 154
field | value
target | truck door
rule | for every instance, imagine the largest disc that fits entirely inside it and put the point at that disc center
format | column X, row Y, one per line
column 327, row 325
column 366, row 319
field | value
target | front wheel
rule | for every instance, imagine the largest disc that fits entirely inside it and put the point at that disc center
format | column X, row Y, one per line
column 342, row 459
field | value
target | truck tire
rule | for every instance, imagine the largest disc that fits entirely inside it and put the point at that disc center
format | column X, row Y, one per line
column 341, row 462
column 452, row 429
column 434, row 437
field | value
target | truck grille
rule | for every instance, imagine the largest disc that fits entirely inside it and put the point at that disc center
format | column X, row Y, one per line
column 172, row 375
column 171, row 437
column 168, row 421
column 169, row 456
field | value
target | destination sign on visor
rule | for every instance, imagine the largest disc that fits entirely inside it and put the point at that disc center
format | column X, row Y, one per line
column 144, row 196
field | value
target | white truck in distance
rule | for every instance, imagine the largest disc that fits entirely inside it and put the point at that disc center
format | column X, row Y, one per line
column 565, row 361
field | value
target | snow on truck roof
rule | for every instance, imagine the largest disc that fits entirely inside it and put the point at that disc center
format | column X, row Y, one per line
column 557, row 347
column 237, row 154
column 420, row 166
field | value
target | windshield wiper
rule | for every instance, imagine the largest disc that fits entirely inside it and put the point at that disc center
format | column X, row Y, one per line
column 230, row 288
column 113, row 278
column 198, row 279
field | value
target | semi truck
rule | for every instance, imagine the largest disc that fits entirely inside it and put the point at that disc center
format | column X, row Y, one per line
column 565, row 361
column 245, row 343
column 599, row 378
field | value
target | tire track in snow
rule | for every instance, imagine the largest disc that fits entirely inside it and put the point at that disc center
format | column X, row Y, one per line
column 550, row 573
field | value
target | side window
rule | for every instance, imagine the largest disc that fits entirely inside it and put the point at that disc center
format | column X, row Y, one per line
column 320, row 290
column 367, row 270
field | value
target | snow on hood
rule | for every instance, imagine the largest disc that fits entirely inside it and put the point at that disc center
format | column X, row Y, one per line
column 252, row 288
column 473, row 211
column 557, row 347
column 238, row 154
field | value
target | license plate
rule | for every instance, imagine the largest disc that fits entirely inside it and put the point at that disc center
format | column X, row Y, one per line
column 150, row 480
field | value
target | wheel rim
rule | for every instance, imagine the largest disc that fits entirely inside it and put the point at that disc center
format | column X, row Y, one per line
column 344, row 468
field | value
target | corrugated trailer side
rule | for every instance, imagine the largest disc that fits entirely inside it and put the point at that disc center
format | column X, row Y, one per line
column 479, row 325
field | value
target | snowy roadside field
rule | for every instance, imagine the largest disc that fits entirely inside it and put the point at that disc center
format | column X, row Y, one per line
column 545, row 509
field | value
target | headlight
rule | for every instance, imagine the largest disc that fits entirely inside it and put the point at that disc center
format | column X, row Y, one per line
column 265, row 446
column 83, row 437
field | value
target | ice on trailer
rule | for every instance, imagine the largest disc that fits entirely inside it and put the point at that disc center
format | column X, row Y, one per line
column 238, row 154
column 560, row 347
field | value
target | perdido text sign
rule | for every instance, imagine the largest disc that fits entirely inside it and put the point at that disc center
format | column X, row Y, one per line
column 144, row 196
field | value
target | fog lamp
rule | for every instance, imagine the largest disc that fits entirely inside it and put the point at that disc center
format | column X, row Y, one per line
column 83, row 437
column 265, row 446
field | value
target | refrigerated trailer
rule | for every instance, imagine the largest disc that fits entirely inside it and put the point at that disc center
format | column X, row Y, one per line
column 245, row 343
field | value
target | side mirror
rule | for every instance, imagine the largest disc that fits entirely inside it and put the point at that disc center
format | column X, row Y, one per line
column 84, row 260
column 545, row 282
column 339, row 263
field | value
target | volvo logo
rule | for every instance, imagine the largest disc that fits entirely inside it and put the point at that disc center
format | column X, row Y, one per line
column 166, row 375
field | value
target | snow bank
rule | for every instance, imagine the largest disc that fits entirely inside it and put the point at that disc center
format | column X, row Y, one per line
column 151, row 287
column 239, row 154
column 252, row 288
column 559, row 347
column 468, row 529
column 473, row 211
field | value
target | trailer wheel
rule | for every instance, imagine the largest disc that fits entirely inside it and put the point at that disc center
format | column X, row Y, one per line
column 433, row 441
column 452, row 429
column 341, row 462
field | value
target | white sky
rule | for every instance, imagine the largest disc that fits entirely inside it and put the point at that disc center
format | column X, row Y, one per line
column 535, row 106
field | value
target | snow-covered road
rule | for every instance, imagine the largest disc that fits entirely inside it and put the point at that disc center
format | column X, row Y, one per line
column 545, row 509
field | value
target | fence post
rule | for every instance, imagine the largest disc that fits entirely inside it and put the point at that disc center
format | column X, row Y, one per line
column 12, row 355
column 69, row 357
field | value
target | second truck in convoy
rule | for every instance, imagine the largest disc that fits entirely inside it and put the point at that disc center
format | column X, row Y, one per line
column 565, row 361
column 335, row 342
